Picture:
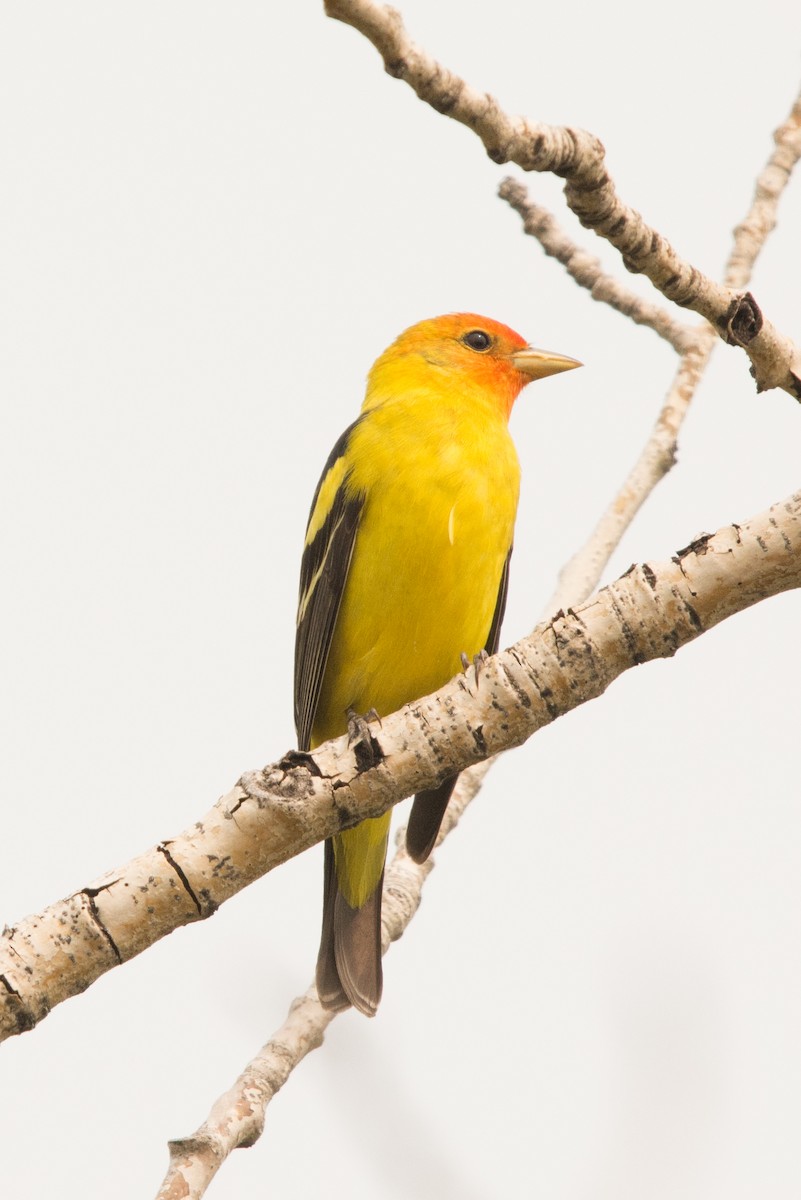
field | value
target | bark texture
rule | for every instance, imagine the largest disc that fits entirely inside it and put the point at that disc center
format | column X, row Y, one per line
column 277, row 812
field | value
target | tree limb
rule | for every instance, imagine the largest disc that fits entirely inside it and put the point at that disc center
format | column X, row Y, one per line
column 579, row 158
column 237, row 1117
column 283, row 809
column 580, row 575
column 587, row 271
column 649, row 613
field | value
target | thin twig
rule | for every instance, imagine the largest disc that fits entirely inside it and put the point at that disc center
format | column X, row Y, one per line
column 237, row 1117
column 587, row 271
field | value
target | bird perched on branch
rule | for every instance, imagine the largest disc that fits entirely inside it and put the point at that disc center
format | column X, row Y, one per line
column 405, row 569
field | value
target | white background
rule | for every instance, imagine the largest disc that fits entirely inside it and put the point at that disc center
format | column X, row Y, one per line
column 214, row 217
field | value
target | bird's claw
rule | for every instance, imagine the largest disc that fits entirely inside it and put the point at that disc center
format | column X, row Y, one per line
column 367, row 748
column 359, row 725
column 477, row 662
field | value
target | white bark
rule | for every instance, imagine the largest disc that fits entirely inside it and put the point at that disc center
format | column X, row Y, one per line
column 581, row 574
column 283, row 809
column 579, row 158
column 588, row 273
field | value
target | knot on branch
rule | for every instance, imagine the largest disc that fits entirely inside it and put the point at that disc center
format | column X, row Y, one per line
column 743, row 320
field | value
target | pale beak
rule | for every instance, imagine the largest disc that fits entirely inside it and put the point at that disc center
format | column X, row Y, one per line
column 539, row 363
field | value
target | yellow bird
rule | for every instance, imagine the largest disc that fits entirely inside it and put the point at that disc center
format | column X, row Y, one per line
column 405, row 569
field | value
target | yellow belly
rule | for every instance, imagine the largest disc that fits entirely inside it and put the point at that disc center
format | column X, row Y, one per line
column 423, row 582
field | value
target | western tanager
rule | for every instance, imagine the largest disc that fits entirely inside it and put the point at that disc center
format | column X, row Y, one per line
column 405, row 569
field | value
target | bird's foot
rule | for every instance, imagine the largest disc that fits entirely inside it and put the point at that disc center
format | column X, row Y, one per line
column 477, row 662
column 366, row 748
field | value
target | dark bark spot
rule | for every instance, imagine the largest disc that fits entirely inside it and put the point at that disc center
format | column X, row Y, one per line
column 796, row 382
column 444, row 103
column 24, row 1020
column 368, row 754
column 478, row 738
column 176, row 866
column 90, row 894
column 497, row 155
column 743, row 320
column 546, row 695
column 697, row 546
column 522, row 698
column 299, row 758
column 695, row 620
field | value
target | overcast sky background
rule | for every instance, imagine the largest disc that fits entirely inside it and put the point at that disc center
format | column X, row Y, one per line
column 214, row 218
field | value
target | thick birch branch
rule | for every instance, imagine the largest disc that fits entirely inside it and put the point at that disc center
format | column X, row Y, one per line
column 579, row 158
column 283, row 809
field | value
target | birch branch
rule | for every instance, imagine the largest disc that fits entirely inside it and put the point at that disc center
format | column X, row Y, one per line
column 649, row 613
column 587, row 271
column 580, row 575
column 283, row 809
column 579, row 158
column 237, row 1117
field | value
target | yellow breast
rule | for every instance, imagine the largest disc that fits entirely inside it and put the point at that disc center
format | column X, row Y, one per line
column 441, row 487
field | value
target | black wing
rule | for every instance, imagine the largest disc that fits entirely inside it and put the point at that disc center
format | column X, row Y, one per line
column 494, row 636
column 323, row 572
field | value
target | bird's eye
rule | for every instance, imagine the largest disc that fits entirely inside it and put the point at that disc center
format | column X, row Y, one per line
column 477, row 339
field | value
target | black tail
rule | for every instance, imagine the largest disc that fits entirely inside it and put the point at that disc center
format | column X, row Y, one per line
column 425, row 819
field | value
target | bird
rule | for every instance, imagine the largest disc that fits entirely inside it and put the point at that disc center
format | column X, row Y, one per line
column 404, row 572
